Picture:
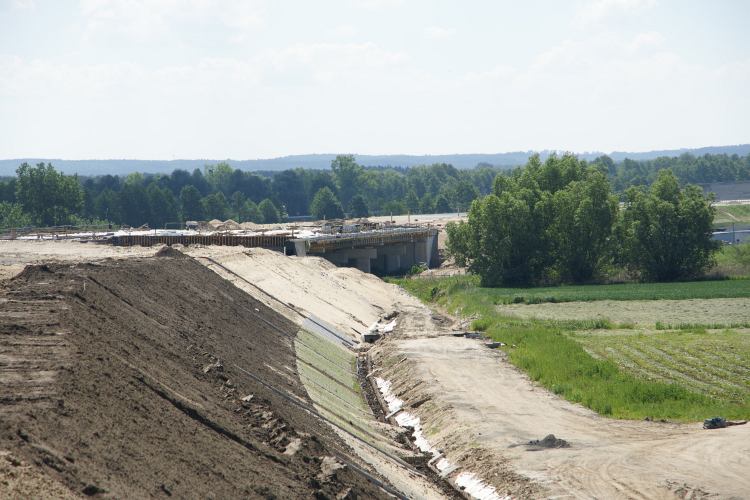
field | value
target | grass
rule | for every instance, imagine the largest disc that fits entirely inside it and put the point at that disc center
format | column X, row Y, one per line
column 733, row 260
column 727, row 214
column 659, row 314
column 711, row 363
column 638, row 382
column 700, row 326
column 427, row 289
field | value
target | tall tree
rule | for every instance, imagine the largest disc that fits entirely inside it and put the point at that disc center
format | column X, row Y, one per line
column 219, row 177
column 289, row 189
column 667, row 230
column 250, row 213
column 580, row 233
column 442, row 205
column 190, row 203
column 269, row 212
column 162, row 205
column 107, row 206
column 412, row 201
column 12, row 215
column 215, row 206
column 347, row 172
column 49, row 197
column 236, row 202
column 325, row 205
column 134, row 201
column 359, row 207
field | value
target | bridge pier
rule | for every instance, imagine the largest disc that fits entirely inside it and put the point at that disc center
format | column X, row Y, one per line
column 382, row 252
column 391, row 255
column 359, row 257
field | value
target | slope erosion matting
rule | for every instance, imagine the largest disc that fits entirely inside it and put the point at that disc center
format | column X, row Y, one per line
column 307, row 287
column 155, row 377
column 331, row 307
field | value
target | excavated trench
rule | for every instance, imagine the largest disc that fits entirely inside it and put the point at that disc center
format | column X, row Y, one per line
column 155, row 377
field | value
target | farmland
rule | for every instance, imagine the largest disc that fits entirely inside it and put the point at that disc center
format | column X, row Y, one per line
column 739, row 288
column 660, row 314
column 713, row 363
column 614, row 365
column 727, row 214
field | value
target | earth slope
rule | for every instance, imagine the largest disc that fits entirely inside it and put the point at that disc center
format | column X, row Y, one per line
column 155, row 377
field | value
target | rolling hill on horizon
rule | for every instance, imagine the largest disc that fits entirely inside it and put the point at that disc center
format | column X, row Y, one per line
column 323, row 161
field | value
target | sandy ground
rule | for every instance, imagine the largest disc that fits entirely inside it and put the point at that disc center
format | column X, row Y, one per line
column 640, row 312
column 498, row 407
column 147, row 392
column 344, row 297
column 481, row 408
column 421, row 218
column 473, row 404
column 20, row 479
column 16, row 254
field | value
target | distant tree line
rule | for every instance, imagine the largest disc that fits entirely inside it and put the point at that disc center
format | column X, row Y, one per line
column 40, row 195
column 558, row 221
column 687, row 168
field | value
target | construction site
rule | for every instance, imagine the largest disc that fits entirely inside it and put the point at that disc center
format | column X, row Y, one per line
column 274, row 363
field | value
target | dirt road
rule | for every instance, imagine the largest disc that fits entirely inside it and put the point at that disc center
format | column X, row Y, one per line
column 483, row 411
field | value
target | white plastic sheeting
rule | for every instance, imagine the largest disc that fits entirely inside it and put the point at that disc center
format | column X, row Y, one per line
column 380, row 328
column 477, row 488
column 469, row 481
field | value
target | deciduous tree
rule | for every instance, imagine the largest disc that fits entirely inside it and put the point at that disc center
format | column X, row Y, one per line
column 48, row 196
column 325, row 205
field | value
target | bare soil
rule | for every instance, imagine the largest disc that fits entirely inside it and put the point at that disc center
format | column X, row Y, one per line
column 347, row 299
column 344, row 297
column 131, row 379
column 483, row 413
column 16, row 254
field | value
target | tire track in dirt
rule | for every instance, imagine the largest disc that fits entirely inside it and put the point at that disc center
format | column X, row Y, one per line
column 483, row 410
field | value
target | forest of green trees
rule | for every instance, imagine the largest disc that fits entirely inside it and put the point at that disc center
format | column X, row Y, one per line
column 559, row 221
column 41, row 196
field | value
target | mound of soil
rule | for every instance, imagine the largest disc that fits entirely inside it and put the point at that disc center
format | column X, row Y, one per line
column 549, row 441
column 168, row 251
column 155, row 377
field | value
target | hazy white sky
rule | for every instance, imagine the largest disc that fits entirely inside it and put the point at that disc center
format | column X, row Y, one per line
column 162, row 79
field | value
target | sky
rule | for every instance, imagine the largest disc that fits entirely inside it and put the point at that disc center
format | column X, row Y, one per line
column 245, row 79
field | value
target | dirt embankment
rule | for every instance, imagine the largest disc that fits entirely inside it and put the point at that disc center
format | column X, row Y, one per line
column 155, row 377
column 346, row 298
column 16, row 254
column 484, row 413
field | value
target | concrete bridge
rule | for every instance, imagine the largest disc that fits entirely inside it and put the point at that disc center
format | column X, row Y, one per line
column 385, row 251
column 381, row 251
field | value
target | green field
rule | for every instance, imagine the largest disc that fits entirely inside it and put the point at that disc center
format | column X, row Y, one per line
column 684, row 375
column 725, row 215
column 468, row 284
column 713, row 363
column 733, row 260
